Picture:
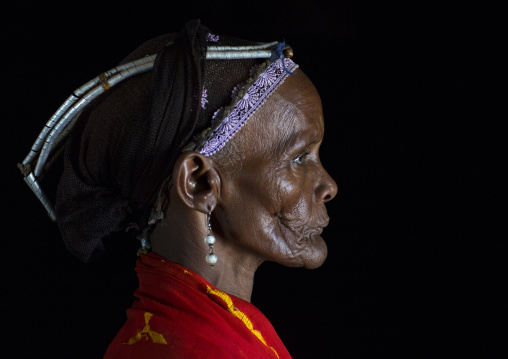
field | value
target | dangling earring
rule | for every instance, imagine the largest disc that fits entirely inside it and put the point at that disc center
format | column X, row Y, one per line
column 145, row 245
column 211, row 258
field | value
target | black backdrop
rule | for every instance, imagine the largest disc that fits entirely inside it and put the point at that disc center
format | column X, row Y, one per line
column 413, row 139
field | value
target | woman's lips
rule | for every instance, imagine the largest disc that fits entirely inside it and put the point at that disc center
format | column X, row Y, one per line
column 308, row 231
column 324, row 223
column 318, row 229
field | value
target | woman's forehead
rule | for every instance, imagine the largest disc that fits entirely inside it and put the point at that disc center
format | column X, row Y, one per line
column 291, row 116
column 296, row 105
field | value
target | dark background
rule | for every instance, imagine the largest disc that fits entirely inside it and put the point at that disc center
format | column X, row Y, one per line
column 417, row 242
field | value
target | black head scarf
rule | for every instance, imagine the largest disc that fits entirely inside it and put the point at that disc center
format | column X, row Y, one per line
column 124, row 145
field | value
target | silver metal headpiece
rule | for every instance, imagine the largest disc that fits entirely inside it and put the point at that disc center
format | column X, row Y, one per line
column 46, row 147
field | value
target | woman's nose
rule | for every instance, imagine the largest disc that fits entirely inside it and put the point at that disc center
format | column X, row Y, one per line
column 327, row 188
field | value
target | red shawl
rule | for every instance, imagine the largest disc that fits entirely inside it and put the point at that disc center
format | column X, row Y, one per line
column 179, row 314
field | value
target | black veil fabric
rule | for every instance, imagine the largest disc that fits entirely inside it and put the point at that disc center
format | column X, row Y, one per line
column 125, row 143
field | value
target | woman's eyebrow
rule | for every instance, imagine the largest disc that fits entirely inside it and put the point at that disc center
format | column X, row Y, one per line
column 292, row 139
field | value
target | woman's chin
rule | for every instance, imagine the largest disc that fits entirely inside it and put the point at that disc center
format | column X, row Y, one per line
column 316, row 253
column 311, row 256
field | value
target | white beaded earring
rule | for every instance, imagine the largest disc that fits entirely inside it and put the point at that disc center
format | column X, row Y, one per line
column 211, row 258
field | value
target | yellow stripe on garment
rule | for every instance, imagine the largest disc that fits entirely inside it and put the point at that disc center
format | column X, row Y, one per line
column 238, row 314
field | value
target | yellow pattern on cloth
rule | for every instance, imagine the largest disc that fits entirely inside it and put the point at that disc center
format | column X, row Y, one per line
column 157, row 338
column 238, row 314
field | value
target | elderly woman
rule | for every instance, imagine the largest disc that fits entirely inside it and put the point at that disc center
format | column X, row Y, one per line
column 214, row 164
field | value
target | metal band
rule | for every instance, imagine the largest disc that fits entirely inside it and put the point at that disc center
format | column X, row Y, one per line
column 245, row 54
column 241, row 48
column 71, row 100
column 36, row 189
column 77, row 105
column 104, row 82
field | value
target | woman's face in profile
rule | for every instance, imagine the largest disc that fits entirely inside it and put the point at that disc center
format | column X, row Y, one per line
column 274, row 205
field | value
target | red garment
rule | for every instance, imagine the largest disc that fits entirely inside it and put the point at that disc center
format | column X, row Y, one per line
column 179, row 314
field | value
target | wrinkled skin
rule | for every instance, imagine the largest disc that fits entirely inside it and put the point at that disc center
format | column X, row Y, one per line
column 267, row 203
column 275, row 205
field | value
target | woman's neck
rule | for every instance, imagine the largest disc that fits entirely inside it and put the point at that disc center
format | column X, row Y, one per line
column 180, row 239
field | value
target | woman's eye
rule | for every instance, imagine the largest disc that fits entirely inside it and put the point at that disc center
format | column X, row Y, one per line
column 298, row 160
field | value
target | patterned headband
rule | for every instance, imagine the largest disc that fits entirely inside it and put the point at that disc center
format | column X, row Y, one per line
column 266, row 83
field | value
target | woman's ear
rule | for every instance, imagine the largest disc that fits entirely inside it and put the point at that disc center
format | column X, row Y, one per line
column 196, row 182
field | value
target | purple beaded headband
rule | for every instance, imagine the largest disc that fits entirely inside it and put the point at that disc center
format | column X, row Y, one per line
column 266, row 83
